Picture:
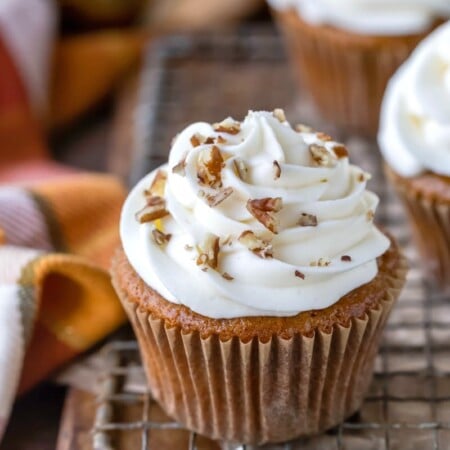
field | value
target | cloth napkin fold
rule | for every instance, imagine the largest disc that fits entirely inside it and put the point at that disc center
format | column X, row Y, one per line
column 58, row 228
column 54, row 305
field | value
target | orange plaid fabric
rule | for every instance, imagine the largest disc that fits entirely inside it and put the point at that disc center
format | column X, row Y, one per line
column 58, row 229
column 55, row 305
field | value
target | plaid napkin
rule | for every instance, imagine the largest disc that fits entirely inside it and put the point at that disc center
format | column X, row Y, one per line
column 58, row 228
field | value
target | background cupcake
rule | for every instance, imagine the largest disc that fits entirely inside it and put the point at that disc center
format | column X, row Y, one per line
column 345, row 51
column 255, row 280
column 414, row 138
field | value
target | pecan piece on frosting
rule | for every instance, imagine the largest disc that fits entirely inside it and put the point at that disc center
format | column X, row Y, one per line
column 364, row 176
column 321, row 156
column 324, row 136
column 160, row 238
column 370, row 215
column 278, row 113
column 255, row 244
column 154, row 209
column 307, row 220
column 219, row 197
column 209, row 255
column 340, row 151
column 180, row 168
column 227, row 276
column 302, row 128
column 158, row 185
column 276, row 170
column 241, row 168
column 227, row 126
column 197, row 139
column 299, row 274
column 210, row 167
column 323, row 262
column 263, row 210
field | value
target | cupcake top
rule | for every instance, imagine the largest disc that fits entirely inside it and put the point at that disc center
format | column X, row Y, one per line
column 414, row 131
column 373, row 17
column 253, row 218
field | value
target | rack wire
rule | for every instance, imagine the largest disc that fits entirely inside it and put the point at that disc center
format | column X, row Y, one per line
column 408, row 405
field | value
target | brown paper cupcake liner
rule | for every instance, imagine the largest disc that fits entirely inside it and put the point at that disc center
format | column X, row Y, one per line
column 345, row 73
column 258, row 392
column 430, row 223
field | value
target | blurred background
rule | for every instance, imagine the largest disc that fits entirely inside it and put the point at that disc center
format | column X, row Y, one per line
column 87, row 58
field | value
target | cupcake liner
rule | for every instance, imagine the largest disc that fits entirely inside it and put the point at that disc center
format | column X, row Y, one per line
column 345, row 73
column 257, row 392
column 430, row 223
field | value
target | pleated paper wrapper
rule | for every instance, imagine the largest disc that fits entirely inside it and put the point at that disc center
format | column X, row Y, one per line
column 430, row 223
column 258, row 392
column 345, row 73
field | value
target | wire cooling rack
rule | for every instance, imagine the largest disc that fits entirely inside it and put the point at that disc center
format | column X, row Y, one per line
column 408, row 406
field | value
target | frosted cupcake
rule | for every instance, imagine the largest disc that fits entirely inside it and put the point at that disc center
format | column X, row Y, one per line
column 345, row 51
column 414, row 139
column 255, row 280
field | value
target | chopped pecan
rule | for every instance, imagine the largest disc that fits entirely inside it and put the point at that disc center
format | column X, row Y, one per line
column 241, row 168
column 160, row 238
column 216, row 199
column 301, row 128
column 180, row 168
column 227, row 276
column 255, row 244
column 340, row 151
column 227, row 240
column 154, row 209
column 158, row 184
column 263, row 210
column 276, row 170
column 278, row 113
column 321, row 156
column 364, row 176
column 323, row 262
column 220, row 140
column 210, row 167
column 307, row 220
column 299, row 274
column 197, row 139
column 209, row 255
column 227, row 126
column 324, row 136
column 346, row 258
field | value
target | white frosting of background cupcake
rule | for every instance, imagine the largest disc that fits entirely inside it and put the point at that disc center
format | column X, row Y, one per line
column 373, row 17
column 322, row 245
column 414, row 131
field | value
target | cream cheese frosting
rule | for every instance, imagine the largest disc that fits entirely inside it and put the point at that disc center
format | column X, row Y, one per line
column 372, row 17
column 263, row 220
column 414, row 131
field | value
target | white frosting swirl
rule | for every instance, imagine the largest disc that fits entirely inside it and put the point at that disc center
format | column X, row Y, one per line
column 414, row 131
column 372, row 17
column 335, row 195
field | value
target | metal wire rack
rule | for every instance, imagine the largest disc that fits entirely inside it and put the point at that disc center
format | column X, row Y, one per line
column 408, row 406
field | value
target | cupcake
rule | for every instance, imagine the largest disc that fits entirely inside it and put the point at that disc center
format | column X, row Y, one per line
column 255, row 280
column 414, row 139
column 345, row 51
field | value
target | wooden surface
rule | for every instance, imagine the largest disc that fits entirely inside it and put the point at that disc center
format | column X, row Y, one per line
column 78, row 417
